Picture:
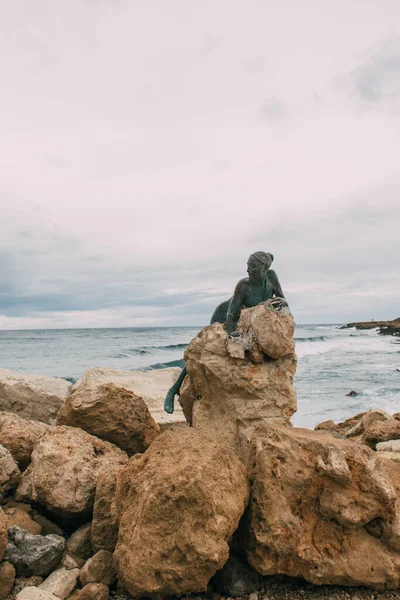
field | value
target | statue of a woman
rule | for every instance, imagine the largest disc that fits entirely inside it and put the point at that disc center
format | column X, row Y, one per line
column 262, row 284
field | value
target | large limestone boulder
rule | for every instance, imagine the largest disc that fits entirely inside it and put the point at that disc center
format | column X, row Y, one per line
column 232, row 396
column 9, row 472
column 322, row 508
column 19, row 436
column 152, row 386
column 111, row 413
column 266, row 329
column 178, row 506
column 104, row 530
column 36, row 397
column 66, row 464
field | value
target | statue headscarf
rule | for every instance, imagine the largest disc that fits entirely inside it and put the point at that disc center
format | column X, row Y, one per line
column 264, row 258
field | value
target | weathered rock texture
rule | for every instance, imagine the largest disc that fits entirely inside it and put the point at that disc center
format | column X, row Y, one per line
column 61, row 582
column 20, row 518
column 152, row 386
column 33, row 554
column 36, row 397
column 9, row 471
column 322, row 508
column 79, row 542
column 98, row 569
column 178, row 505
column 66, row 464
column 34, row 593
column 92, row 591
column 264, row 330
column 3, row 533
column 19, row 436
column 7, row 578
column 233, row 396
column 113, row 414
column 104, row 531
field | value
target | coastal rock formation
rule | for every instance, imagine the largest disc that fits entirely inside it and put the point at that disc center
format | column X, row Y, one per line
column 33, row 554
column 19, row 436
column 385, row 327
column 265, row 328
column 66, row 464
column 323, row 509
column 111, row 413
column 234, row 387
column 104, row 530
column 151, row 386
column 9, row 472
column 36, row 397
column 178, row 505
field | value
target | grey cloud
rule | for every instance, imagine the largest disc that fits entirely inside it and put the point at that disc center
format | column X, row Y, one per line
column 273, row 109
column 377, row 80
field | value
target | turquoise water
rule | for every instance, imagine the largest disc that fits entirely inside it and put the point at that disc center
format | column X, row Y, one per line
column 331, row 362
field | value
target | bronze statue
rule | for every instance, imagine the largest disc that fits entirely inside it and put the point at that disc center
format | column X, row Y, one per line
column 261, row 284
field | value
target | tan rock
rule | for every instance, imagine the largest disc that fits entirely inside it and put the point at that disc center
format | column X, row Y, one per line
column 389, row 446
column 368, row 420
column 104, row 531
column 23, row 582
column 394, row 456
column 46, row 525
column 7, row 578
column 111, row 413
column 61, row 582
column 235, row 396
column 9, row 472
column 323, row 509
column 383, row 431
column 326, row 426
column 92, row 591
column 36, row 397
column 178, row 506
column 152, row 386
column 16, row 516
column 270, row 329
column 34, row 593
column 3, row 533
column 79, row 542
column 19, row 436
column 66, row 464
column 98, row 569
column 71, row 561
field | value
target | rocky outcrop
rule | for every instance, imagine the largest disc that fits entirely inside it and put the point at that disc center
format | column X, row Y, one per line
column 9, row 472
column 233, row 385
column 104, row 530
column 19, row 436
column 323, row 509
column 151, row 386
column 33, row 554
column 66, row 464
column 369, row 428
column 178, row 505
column 385, row 327
column 36, row 397
column 113, row 414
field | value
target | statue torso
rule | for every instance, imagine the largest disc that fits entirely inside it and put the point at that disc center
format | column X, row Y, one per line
column 254, row 294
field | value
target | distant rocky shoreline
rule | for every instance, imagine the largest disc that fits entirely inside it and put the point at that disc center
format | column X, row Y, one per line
column 384, row 327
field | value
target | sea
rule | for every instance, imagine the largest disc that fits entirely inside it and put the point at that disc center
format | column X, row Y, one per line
column 332, row 362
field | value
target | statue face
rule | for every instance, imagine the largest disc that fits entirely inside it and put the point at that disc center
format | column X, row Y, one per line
column 256, row 270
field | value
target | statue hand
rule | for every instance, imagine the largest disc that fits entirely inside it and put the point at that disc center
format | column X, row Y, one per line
column 278, row 303
column 234, row 334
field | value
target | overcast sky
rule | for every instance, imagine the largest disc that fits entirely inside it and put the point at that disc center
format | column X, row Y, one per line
column 148, row 147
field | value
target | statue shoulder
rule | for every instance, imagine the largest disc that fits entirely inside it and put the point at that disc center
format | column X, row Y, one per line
column 242, row 285
column 271, row 275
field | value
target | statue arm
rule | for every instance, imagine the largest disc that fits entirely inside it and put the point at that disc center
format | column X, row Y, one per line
column 277, row 286
column 278, row 292
column 234, row 307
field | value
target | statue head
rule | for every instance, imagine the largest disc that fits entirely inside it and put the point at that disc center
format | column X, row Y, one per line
column 258, row 265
